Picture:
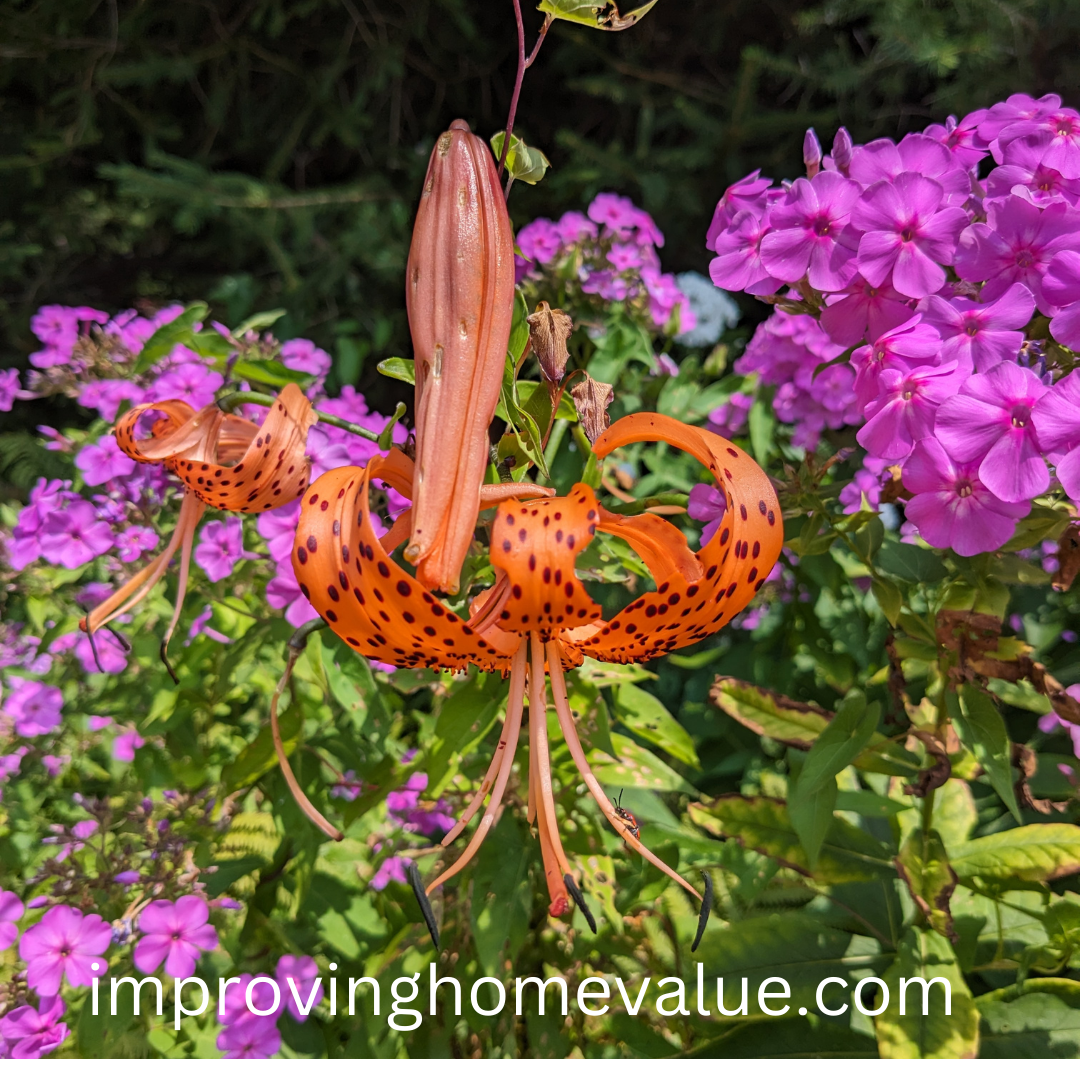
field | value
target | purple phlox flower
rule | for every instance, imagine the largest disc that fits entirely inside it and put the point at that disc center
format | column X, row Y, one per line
column 191, row 382
column 1056, row 418
column 220, row 547
column 227, row 903
column 300, row 986
column 646, row 231
column 862, row 310
column 65, row 943
column 350, row 405
column 174, row 933
column 81, row 830
column 807, row 234
column 126, row 877
column 866, row 482
column 98, row 723
column 32, row 1033
column 952, row 507
column 10, row 390
column 539, row 241
column 883, row 159
column 74, row 536
column 574, row 226
column 283, row 592
column 1025, row 175
column 664, row 297
column 107, row 395
column 624, row 256
column 34, row 707
column 348, row 788
column 392, row 869
column 842, row 149
column 980, row 335
column 278, row 529
column 253, row 1037
column 1061, row 286
column 989, row 423
column 744, row 196
column 708, row 504
column 11, row 911
column 45, row 496
column 1051, row 721
column 400, row 802
column 135, row 542
column 124, row 746
column 811, row 153
column 199, row 626
column 103, row 461
column 1014, row 108
column 616, row 212
column 728, row 419
column 664, row 365
column 738, row 266
column 905, row 234
column 325, row 452
column 233, row 1007
column 111, row 655
column 54, row 765
column 303, row 355
column 1016, row 243
column 903, row 347
column 57, row 326
column 1055, row 136
column 962, row 138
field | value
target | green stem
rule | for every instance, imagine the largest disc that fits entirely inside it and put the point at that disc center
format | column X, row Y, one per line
column 638, row 506
column 251, row 397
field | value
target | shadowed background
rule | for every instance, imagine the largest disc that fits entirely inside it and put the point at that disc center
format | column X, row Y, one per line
column 268, row 153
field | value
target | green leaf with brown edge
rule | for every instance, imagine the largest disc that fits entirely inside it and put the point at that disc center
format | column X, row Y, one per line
column 926, row 955
column 602, row 16
column 1068, row 990
column 1029, row 853
column 799, row 723
column 924, row 867
column 647, row 718
column 1034, row 1025
column 982, row 730
column 763, row 824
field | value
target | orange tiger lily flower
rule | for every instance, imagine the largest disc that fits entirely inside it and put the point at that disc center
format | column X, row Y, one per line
column 538, row 617
column 223, row 461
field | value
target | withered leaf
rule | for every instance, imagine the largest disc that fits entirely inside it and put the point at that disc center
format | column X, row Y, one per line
column 1068, row 554
column 592, row 399
column 549, row 329
column 934, row 777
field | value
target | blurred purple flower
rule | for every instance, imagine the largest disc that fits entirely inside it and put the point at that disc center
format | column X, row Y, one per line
column 65, row 943
column 392, row 869
column 32, row 1033
column 729, row 419
column 301, row 971
column 303, row 355
column 220, row 547
column 708, row 504
column 199, row 625
column 254, row 1037
column 174, row 934
column 989, row 422
column 574, row 226
column 103, row 461
column 624, row 256
column 54, row 765
column 192, row 382
column 617, row 212
column 539, row 241
column 34, row 707
column 135, row 542
column 74, row 536
column 126, row 877
column 348, row 788
column 283, row 592
column 98, row 723
column 111, row 655
column 125, row 744
column 11, row 911
column 233, row 1008
column 952, row 507
column 107, row 395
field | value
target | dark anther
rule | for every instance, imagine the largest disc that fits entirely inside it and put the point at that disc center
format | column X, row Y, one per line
column 413, row 874
column 706, row 909
column 579, row 899
column 120, row 639
column 165, row 660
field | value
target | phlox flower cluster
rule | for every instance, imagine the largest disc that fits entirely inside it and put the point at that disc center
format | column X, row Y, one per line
column 609, row 253
column 927, row 290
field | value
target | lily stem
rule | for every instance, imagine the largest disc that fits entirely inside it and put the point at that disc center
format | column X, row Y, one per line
column 251, row 397
column 524, row 62
column 670, row 501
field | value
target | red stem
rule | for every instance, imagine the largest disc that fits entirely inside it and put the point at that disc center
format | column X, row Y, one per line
column 523, row 64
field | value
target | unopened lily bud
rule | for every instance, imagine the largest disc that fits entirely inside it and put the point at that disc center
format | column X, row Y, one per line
column 841, row 150
column 591, row 399
column 811, row 153
column 460, row 299
column 549, row 329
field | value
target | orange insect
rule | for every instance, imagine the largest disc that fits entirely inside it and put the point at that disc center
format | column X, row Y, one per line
column 537, row 618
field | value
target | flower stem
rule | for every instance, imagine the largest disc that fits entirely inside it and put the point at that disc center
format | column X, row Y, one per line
column 250, row 397
column 671, row 502
column 524, row 62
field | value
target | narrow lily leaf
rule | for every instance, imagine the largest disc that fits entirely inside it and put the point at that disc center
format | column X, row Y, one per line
column 811, row 814
column 603, row 16
column 647, row 718
column 840, row 743
column 982, row 730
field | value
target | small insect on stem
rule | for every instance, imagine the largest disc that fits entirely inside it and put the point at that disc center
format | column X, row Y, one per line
column 633, row 827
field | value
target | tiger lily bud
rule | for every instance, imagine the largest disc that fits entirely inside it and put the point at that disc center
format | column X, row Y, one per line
column 460, row 299
column 591, row 398
column 549, row 329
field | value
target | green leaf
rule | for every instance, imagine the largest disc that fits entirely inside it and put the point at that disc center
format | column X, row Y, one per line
column 270, row 372
column 762, row 425
column 1030, row 853
column 634, row 766
column 889, row 599
column 982, row 730
column 909, row 562
column 602, row 16
column 647, row 718
column 924, row 954
column 230, row 871
column 869, row 804
column 397, row 367
column 1033, row 1026
column 841, row 742
column 258, row 756
column 341, row 680
column 465, row 716
column 924, row 867
column 811, row 814
column 523, row 162
column 259, row 321
column 763, row 824
column 502, row 896
column 162, row 340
